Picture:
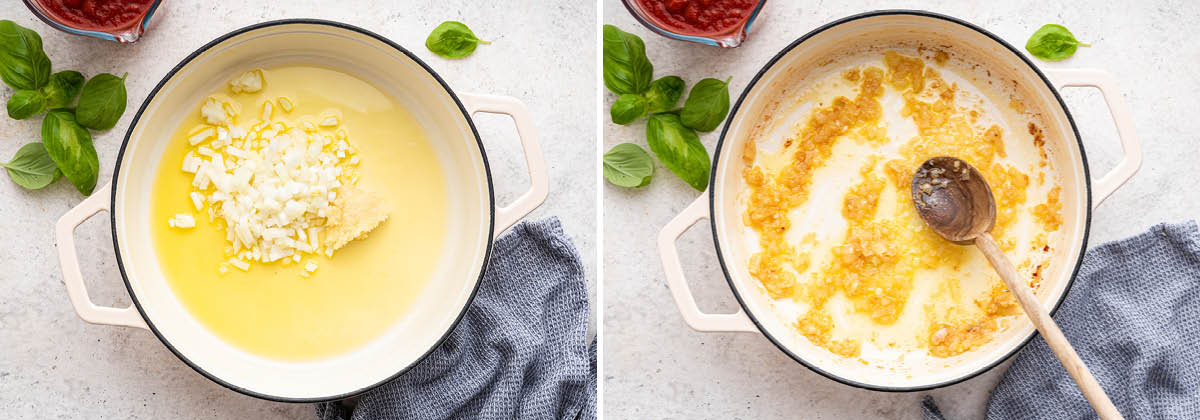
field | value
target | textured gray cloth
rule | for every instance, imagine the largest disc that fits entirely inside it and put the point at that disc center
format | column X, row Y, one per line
column 521, row 351
column 1133, row 315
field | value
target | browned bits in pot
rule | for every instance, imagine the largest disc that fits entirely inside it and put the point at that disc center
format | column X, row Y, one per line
column 1050, row 212
column 874, row 265
column 772, row 196
column 851, row 75
column 905, row 72
column 941, row 57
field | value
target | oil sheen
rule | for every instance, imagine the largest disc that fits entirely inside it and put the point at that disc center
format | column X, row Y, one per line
column 272, row 310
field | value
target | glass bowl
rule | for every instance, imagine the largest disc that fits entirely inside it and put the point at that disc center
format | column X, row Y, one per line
column 728, row 39
column 124, row 35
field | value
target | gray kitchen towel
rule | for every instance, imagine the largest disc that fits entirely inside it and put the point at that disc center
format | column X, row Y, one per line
column 1133, row 315
column 521, row 351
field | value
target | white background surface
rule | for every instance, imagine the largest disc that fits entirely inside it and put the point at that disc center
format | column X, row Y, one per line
column 656, row 367
column 53, row 365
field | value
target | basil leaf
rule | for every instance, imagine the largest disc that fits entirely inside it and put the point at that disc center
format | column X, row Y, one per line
column 663, row 94
column 26, row 103
column 679, row 149
column 452, row 40
column 628, row 165
column 70, row 146
column 102, row 102
column 627, row 108
column 706, row 105
column 626, row 68
column 32, row 167
column 1052, row 43
column 23, row 63
column 64, row 86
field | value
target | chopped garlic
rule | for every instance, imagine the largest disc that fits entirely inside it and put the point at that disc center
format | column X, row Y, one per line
column 217, row 112
column 241, row 265
column 310, row 267
column 201, row 136
column 191, row 163
column 182, row 221
column 197, row 200
column 285, row 103
column 271, row 185
column 248, row 82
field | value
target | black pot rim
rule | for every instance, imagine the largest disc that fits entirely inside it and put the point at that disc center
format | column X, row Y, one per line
column 771, row 63
column 339, row 25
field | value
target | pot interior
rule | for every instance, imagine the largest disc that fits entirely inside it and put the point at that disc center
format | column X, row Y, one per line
column 438, row 306
column 778, row 85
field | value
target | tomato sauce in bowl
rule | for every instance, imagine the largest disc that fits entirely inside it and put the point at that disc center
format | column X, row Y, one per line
column 115, row 20
column 97, row 14
column 720, row 23
column 699, row 17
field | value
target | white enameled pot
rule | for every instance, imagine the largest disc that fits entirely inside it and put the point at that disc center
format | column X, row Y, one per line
column 444, row 115
column 1080, row 193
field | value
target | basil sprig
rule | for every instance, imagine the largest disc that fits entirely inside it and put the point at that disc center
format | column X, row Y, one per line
column 628, row 165
column 66, row 148
column 1053, row 43
column 453, row 40
column 32, row 167
column 670, row 132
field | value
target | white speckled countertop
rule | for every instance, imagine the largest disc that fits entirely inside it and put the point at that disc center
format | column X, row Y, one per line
column 656, row 367
column 53, row 365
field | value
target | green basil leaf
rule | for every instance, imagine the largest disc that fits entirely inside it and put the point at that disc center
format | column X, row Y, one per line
column 70, row 146
column 32, row 167
column 23, row 63
column 663, row 94
column 628, row 165
column 1052, row 43
column 64, row 86
column 679, row 149
column 452, row 40
column 102, row 102
column 706, row 105
column 26, row 103
column 626, row 68
column 627, row 108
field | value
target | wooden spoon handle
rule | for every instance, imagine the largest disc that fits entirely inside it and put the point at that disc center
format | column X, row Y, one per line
column 1048, row 328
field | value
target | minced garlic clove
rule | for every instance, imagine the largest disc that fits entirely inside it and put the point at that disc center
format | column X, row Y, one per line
column 248, row 82
column 356, row 213
column 285, row 104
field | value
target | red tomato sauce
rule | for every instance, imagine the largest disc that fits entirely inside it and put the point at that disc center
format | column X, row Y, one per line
column 696, row 17
column 96, row 14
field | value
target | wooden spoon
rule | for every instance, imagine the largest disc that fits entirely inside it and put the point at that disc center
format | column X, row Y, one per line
column 957, row 203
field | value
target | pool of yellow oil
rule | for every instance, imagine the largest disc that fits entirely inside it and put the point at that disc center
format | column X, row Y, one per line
column 354, row 297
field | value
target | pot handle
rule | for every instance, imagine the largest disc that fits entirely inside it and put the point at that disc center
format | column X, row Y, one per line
column 1130, row 145
column 64, row 240
column 539, row 181
column 692, row 314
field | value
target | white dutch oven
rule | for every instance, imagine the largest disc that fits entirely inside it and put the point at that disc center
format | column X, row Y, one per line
column 721, row 205
column 444, row 115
